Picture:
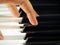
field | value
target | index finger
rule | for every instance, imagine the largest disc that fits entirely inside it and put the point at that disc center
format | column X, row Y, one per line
column 28, row 9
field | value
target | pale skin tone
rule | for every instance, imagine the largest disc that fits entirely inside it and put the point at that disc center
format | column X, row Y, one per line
column 25, row 6
column 1, row 36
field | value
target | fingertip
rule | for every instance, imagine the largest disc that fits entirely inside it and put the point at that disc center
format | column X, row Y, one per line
column 35, row 24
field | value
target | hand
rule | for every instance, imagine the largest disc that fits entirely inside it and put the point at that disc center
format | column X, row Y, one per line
column 26, row 7
column 1, row 36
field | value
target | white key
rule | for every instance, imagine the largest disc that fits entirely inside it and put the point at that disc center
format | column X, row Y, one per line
column 13, row 35
column 13, row 29
column 6, row 13
column 12, row 42
column 11, row 19
column 4, row 7
column 6, row 16
column 10, row 27
column 11, row 24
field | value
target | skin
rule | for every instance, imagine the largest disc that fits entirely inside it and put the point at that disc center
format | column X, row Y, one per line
column 25, row 6
column 1, row 36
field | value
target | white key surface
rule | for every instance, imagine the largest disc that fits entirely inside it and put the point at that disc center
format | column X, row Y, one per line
column 11, row 24
column 13, row 34
column 11, row 19
column 9, row 42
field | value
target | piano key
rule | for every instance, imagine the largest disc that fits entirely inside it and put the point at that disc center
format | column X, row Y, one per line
column 18, row 8
column 11, row 24
column 13, row 34
column 43, row 43
column 5, row 7
column 5, row 13
column 21, row 37
column 44, row 38
column 12, row 42
column 11, row 19
column 14, row 29
column 5, row 16
column 11, row 27
column 5, row 27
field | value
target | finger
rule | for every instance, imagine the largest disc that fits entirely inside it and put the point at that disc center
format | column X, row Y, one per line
column 1, row 36
column 30, row 13
column 24, row 5
column 6, row 1
column 28, row 2
column 13, row 9
column 3, row 1
column 32, row 19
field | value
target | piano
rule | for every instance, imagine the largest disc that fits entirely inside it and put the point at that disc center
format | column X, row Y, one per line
column 48, row 30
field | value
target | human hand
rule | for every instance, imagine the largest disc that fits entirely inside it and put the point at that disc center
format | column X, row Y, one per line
column 26, row 7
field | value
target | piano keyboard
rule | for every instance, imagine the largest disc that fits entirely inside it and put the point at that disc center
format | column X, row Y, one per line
column 10, row 28
column 48, row 30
